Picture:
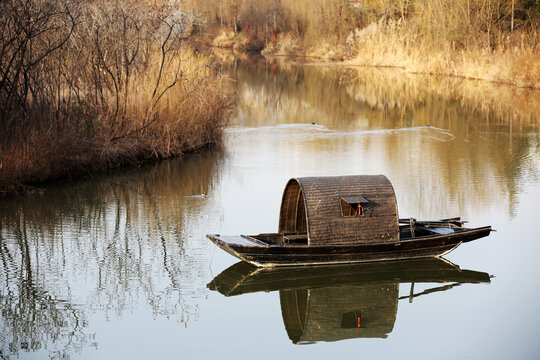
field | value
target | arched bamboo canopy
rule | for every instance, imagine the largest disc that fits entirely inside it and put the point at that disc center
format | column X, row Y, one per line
column 340, row 210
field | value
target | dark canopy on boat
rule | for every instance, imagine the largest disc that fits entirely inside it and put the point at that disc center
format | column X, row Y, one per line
column 340, row 210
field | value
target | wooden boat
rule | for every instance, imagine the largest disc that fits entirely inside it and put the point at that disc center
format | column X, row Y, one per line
column 336, row 302
column 346, row 219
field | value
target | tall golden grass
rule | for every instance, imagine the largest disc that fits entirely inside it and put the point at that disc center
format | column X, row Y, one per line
column 88, row 86
column 400, row 44
column 494, row 40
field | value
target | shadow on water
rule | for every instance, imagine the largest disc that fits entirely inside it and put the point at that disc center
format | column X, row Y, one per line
column 331, row 303
column 104, row 244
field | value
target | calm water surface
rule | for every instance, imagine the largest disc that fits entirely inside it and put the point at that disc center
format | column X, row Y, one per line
column 118, row 266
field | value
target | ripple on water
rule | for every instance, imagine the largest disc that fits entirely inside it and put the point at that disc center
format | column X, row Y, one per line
column 308, row 132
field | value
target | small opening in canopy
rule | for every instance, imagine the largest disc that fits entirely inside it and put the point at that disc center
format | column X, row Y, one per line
column 353, row 206
column 352, row 320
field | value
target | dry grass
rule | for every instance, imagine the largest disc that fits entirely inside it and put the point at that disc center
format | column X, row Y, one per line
column 285, row 45
column 240, row 42
column 224, row 40
column 183, row 121
column 493, row 40
column 396, row 44
column 124, row 88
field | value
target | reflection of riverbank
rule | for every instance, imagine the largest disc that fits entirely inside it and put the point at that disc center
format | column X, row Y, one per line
column 329, row 87
column 109, row 245
column 446, row 143
column 331, row 303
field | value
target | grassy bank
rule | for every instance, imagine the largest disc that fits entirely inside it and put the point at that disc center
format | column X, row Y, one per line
column 87, row 86
column 512, row 58
column 493, row 40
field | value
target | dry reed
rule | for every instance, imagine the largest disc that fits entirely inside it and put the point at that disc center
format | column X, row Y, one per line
column 100, row 85
column 399, row 44
column 497, row 41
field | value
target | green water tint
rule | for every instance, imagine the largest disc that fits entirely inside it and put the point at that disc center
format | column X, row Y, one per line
column 118, row 265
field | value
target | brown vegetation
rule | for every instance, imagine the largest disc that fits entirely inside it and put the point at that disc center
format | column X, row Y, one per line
column 492, row 40
column 496, row 41
column 86, row 86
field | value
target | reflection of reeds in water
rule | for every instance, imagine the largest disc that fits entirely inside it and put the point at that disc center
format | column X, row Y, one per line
column 110, row 244
column 490, row 154
column 273, row 92
column 391, row 89
column 465, row 142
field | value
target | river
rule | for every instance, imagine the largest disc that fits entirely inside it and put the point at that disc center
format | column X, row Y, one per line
column 118, row 266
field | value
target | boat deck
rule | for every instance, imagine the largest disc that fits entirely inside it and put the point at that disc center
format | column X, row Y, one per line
column 276, row 239
column 292, row 249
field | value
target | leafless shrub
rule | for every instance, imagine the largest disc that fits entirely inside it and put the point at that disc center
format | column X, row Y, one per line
column 90, row 85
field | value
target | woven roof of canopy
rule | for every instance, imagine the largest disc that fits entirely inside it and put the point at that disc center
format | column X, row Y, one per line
column 340, row 209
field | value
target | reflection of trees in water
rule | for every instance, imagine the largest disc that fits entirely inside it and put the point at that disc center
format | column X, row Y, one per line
column 271, row 92
column 107, row 245
column 33, row 317
column 339, row 96
column 469, row 141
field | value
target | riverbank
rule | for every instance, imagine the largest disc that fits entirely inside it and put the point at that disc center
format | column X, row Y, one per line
column 513, row 60
column 475, row 39
column 384, row 45
column 97, row 86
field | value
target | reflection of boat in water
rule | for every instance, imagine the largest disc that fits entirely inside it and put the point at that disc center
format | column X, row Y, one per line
column 330, row 303
column 346, row 219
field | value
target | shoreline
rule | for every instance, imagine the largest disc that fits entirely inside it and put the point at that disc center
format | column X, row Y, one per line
column 26, row 189
column 82, row 100
column 493, row 73
column 50, row 154
column 34, row 182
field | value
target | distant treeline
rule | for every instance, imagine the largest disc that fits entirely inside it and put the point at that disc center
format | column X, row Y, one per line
column 89, row 85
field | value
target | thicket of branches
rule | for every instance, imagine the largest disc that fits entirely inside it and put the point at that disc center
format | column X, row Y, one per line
column 465, row 22
column 312, row 20
column 86, row 85
column 493, row 40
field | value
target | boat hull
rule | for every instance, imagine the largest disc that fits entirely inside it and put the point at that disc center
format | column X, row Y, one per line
column 269, row 255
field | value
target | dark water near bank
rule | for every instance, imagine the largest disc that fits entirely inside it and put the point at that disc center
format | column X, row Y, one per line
column 117, row 266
